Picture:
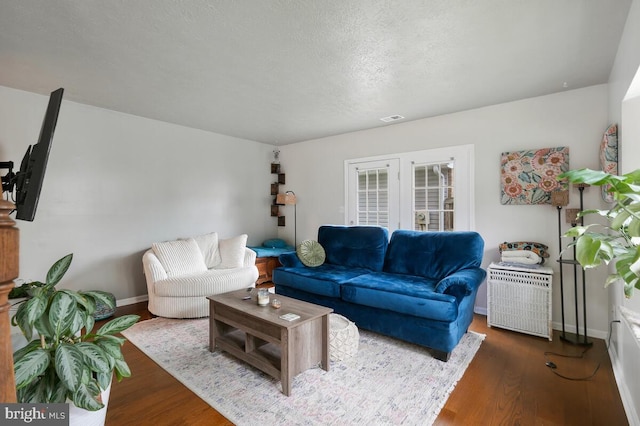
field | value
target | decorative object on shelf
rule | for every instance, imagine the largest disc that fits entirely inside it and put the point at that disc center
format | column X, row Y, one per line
column 609, row 158
column 263, row 297
column 289, row 198
column 529, row 177
column 526, row 252
column 619, row 243
column 573, row 217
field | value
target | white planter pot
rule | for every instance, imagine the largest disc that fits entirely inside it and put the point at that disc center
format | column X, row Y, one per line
column 82, row 417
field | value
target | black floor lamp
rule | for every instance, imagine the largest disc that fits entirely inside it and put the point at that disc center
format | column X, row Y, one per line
column 572, row 218
column 289, row 198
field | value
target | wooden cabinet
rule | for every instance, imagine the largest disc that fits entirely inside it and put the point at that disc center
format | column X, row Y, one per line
column 266, row 265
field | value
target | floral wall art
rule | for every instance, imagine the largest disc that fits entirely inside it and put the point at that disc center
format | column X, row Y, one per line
column 529, row 177
column 609, row 158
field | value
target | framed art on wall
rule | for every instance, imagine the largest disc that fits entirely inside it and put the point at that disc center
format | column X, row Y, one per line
column 529, row 177
column 609, row 157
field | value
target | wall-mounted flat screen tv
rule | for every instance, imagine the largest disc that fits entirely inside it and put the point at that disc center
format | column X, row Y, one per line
column 29, row 180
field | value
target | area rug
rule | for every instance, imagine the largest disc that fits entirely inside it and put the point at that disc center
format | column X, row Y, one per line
column 386, row 382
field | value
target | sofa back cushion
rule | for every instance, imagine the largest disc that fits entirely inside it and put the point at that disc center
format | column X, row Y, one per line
column 232, row 252
column 208, row 244
column 354, row 246
column 433, row 255
column 180, row 257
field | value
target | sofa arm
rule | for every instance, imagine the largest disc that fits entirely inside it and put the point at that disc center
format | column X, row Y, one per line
column 249, row 257
column 463, row 282
column 290, row 260
column 152, row 268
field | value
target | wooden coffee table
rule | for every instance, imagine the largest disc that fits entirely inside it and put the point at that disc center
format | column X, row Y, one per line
column 257, row 335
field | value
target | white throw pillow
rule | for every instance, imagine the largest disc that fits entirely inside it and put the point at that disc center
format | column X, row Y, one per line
column 232, row 252
column 180, row 257
column 208, row 244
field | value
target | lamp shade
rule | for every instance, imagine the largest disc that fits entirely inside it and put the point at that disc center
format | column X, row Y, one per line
column 559, row 198
column 571, row 216
column 286, row 198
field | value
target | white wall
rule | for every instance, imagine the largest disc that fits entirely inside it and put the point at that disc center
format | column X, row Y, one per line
column 116, row 183
column 576, row 119
column 624, row 349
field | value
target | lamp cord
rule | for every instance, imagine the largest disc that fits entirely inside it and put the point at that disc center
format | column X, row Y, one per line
column 552, row 366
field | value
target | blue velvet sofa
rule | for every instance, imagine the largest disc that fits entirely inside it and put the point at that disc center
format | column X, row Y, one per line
column 418, row 286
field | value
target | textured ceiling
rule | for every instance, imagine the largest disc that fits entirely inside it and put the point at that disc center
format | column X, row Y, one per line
column 279, row 71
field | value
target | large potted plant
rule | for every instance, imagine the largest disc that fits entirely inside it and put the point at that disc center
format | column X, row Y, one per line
column 619, row 239
column 67, row 361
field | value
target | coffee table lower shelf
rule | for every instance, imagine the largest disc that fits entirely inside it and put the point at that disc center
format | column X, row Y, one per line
column 263, row 355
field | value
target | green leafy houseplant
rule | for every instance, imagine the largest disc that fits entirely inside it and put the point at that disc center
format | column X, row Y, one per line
column 619, row 240
column 68, row 361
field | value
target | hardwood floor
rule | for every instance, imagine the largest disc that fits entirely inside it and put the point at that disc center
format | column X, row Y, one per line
column 507, row 383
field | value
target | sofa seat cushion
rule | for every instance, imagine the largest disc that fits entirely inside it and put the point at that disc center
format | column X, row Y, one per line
column 324, row 280
column 406, row 294
column 213, row 281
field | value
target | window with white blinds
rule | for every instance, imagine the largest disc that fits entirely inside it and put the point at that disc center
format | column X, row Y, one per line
column 433, row 190
column 427, row 190
column 373, row 186
column 373, row 197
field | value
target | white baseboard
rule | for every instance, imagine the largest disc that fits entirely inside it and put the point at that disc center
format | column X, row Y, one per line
column 627, row 375
column 598, row 334
column 132, row 300
column 480, row 310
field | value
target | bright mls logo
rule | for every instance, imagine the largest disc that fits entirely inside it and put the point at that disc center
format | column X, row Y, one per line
column 34, row 414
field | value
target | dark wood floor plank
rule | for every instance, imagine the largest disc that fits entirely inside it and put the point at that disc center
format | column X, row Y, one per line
column 507, row 383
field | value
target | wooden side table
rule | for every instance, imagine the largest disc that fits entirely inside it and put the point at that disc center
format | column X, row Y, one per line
column 266, row 265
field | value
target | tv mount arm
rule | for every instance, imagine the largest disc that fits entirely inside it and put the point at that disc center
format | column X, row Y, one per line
column 8, row 180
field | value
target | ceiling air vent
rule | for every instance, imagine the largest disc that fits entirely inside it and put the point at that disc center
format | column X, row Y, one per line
column 392, row 118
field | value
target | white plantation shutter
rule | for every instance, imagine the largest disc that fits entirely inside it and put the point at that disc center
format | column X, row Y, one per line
column 433, row 195
column 374, row 185
column 373, row 197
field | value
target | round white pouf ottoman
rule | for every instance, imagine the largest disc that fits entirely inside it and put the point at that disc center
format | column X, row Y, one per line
column 343, row 337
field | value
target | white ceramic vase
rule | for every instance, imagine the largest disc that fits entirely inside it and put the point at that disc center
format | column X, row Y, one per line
column 82, row 417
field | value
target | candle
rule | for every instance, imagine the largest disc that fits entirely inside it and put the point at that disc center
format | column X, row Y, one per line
column 263, row 297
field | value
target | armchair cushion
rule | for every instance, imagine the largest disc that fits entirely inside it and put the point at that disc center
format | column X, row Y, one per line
column 208, row 244
column 180, row 257
column 232, row 252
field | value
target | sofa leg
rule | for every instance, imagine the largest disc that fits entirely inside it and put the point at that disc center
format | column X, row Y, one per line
column 441, row 355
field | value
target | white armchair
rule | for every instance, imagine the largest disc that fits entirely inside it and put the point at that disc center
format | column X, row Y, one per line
column 180, row 274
